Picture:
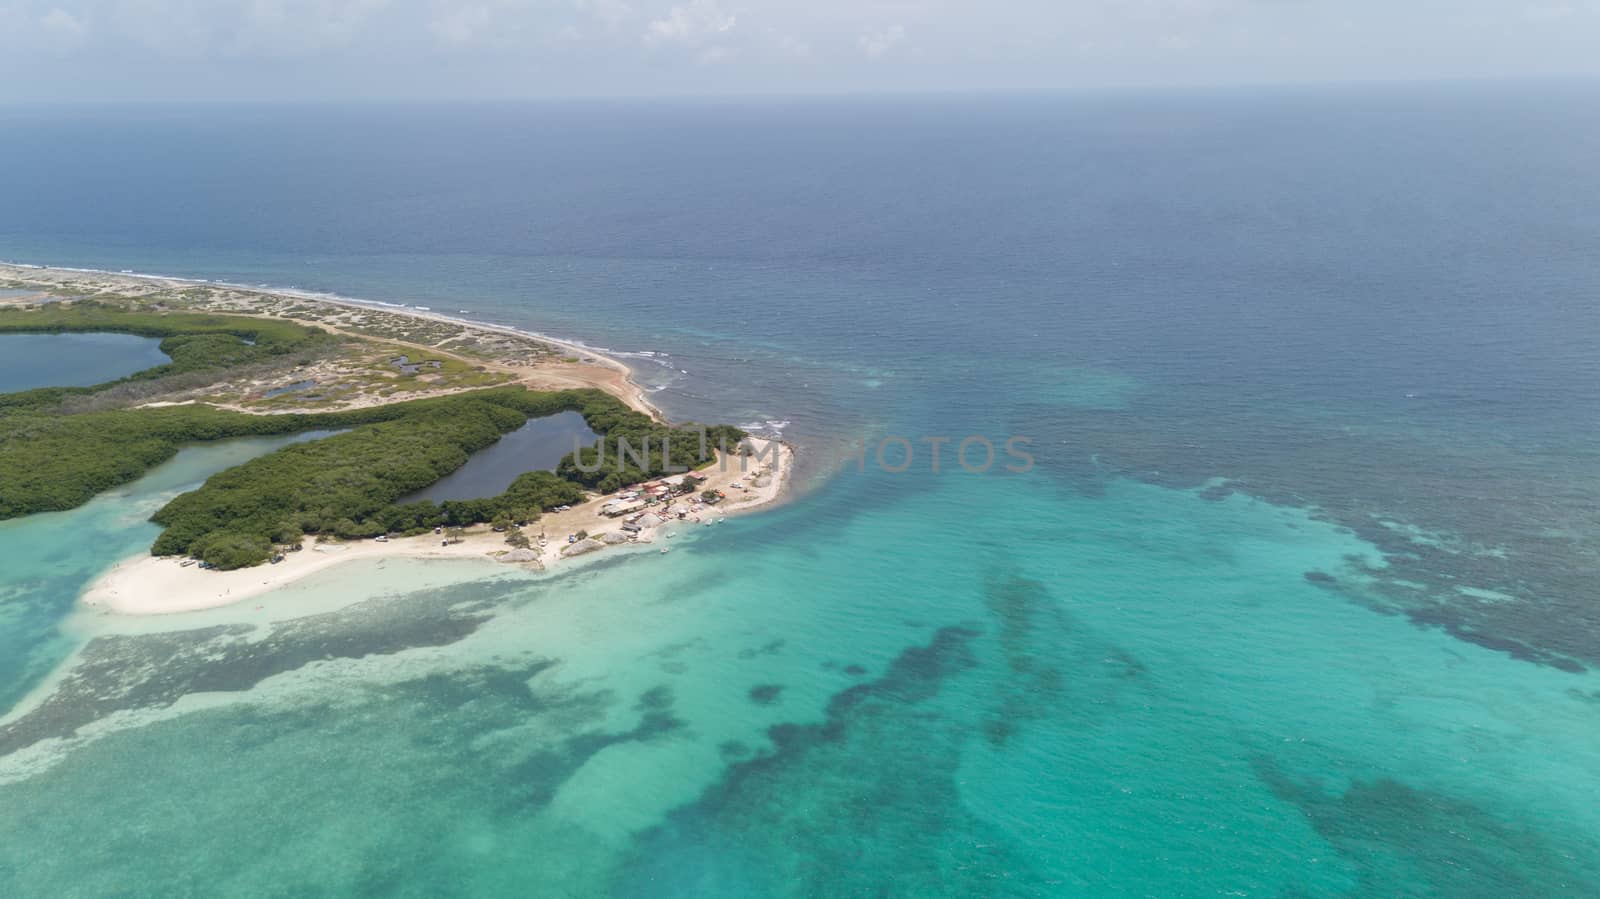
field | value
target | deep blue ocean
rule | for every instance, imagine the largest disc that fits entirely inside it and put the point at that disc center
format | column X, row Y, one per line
column 1298, row 598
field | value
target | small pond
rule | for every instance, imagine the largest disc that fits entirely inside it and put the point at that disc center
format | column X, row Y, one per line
column 73, row 360
column 296, row 387
column 537, row 445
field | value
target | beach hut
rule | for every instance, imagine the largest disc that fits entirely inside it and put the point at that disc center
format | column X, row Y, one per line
column 616, row 508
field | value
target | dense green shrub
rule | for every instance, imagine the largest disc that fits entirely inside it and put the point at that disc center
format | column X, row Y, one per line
column 336, row 485
column 228, row 550
column 195, row 342
column 50, row 461
column 345, row 485
column 635, row 448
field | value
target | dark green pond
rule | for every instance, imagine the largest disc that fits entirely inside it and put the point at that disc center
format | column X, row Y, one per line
column 537, row 445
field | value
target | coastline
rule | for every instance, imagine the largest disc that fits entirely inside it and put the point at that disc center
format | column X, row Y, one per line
column 151, row 585
column 618, row 379
column 160, row 585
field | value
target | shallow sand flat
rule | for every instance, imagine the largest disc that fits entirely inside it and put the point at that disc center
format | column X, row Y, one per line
column 150, row 585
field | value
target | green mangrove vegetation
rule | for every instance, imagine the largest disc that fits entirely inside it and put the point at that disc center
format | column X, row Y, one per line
column 263, row 334
column 634, row 448
column 347, row 485
column 195, row 342
column 56, row 454
column 51, row 461
column 344, row 485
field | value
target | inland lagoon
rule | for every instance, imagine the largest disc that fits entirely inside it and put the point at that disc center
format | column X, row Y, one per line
column 536, row 446
column 73, row 360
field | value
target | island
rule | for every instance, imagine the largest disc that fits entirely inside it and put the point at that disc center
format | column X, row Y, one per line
column 394, row 399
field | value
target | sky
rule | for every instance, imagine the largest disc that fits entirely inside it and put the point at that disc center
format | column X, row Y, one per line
column 293, row 50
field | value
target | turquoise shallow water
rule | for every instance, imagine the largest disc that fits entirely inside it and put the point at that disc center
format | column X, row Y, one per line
column 981, row 707
column 1297, row 598
column 47, row 560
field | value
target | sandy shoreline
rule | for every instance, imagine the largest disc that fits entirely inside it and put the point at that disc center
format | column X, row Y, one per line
column 147, row 585
column 151, row 585
column 616, row 377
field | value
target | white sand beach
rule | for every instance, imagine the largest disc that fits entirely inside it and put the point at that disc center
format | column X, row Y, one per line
column 150, row 585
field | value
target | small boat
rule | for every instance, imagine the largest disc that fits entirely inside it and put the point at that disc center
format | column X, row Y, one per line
column 186, row 563
column 664, row 550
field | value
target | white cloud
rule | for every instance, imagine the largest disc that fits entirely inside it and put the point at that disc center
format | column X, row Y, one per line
column 460, row 24
column 878, row 42
column 61, row 30
column 610, row 13
column 1548, row 11
column 193, row 29
column 61, row 23
column 299, row 48
column 793, row 47
column 691, row 22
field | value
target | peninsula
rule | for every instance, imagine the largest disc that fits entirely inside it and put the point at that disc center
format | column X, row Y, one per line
column 399, row 399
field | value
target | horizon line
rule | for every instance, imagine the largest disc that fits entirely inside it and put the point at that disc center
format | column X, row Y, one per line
column 1131, row 89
